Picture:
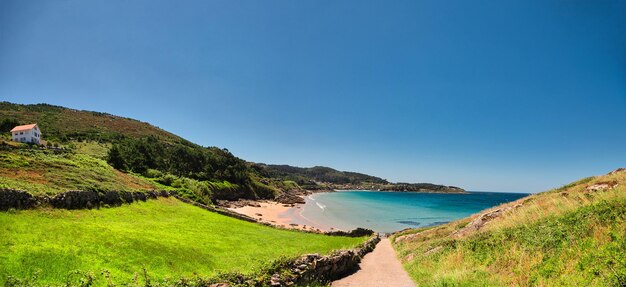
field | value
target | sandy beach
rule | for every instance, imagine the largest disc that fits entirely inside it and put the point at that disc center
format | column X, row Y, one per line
column 282, row 215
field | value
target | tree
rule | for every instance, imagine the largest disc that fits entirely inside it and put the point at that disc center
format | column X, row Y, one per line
column 115, row 158
column 6, row 125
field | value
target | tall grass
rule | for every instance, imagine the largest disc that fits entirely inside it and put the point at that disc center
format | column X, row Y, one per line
column 565, row 237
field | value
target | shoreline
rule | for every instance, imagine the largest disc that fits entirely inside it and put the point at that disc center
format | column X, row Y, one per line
column 289, row 216
column 282, row 215
column 400, row 191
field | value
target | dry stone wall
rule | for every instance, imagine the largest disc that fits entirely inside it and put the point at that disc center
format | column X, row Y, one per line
column 313, row 268
column 75, row 199
column 16, row 199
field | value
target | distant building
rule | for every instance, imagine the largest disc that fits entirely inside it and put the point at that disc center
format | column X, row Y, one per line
column 26, row 134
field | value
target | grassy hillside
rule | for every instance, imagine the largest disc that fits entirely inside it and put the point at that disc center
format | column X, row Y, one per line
column 571, row 236
column 166, row 237
column 49, row 172
column 130, row 146
column 63, row 124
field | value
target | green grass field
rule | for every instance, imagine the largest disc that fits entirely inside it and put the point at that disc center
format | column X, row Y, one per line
column 566, row 237
column 166, row 237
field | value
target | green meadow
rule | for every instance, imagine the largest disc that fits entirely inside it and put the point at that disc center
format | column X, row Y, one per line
column 167, row 238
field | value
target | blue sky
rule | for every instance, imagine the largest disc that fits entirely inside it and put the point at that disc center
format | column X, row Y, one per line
column 487, row 95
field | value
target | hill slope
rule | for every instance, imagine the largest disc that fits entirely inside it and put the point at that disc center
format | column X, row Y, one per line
column 63, row 124
column 49, row 172
column 156, row 158
column 571, row 236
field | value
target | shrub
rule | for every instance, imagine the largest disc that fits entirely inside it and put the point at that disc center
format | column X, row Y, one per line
column 152, row 173
column 167, row 179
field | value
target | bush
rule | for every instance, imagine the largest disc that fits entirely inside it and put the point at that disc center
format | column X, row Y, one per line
column 6, row 125
column 152, row 173
column 166, row 179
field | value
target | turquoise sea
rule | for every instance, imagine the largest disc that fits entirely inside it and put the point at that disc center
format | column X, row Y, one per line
column 393, row 211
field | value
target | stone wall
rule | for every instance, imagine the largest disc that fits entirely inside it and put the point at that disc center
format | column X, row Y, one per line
column 75, row 199
column 217, row 210
column 313, row 268
column 16, row 199
column 89, row 199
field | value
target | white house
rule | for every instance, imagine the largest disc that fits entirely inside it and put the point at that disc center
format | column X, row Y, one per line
column 26, row 134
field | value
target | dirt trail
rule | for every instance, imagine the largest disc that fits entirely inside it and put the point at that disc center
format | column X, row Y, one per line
column 378, row 268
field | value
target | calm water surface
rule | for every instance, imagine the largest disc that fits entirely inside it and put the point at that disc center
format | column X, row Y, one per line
column 393, row 211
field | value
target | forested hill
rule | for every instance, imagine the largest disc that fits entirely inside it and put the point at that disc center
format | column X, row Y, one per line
column 317, row 173
column 142, row 150
column 326, row 178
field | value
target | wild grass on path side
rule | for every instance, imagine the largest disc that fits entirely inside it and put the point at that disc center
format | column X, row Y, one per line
column 566, row 237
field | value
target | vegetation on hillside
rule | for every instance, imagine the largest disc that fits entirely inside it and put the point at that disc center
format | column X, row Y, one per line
column 47, row 172
column 61, row 124
column 325, row 178
column 154, row 157
column 168, row 238
column 201, row 173
column 139, row 155
column 304, row 176
column 571, row 236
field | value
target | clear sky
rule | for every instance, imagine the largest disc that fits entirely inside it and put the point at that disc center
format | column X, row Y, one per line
column 487, row 95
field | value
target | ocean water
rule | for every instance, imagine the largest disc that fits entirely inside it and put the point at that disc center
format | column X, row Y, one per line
column 393, row 211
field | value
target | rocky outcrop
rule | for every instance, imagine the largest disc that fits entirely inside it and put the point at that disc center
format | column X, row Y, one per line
column 313, row 268
column 408, row 237
column 601, row 186
column 483, row 219
column 237, row 203
column 16, row 199
column 358, row 232
column 289, row 198
column 619, row 170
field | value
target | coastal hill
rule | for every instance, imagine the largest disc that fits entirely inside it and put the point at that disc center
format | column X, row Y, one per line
column 92, row 208
column 120, row 153
column 569, row 236
column 326, row 178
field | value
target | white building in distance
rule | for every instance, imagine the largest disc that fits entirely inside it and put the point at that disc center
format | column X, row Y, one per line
column 26, row 134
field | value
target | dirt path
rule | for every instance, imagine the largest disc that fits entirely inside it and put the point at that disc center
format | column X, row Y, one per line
column 378, row 268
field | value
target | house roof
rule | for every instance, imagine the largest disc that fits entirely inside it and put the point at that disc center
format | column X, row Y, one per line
column 23, row 128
